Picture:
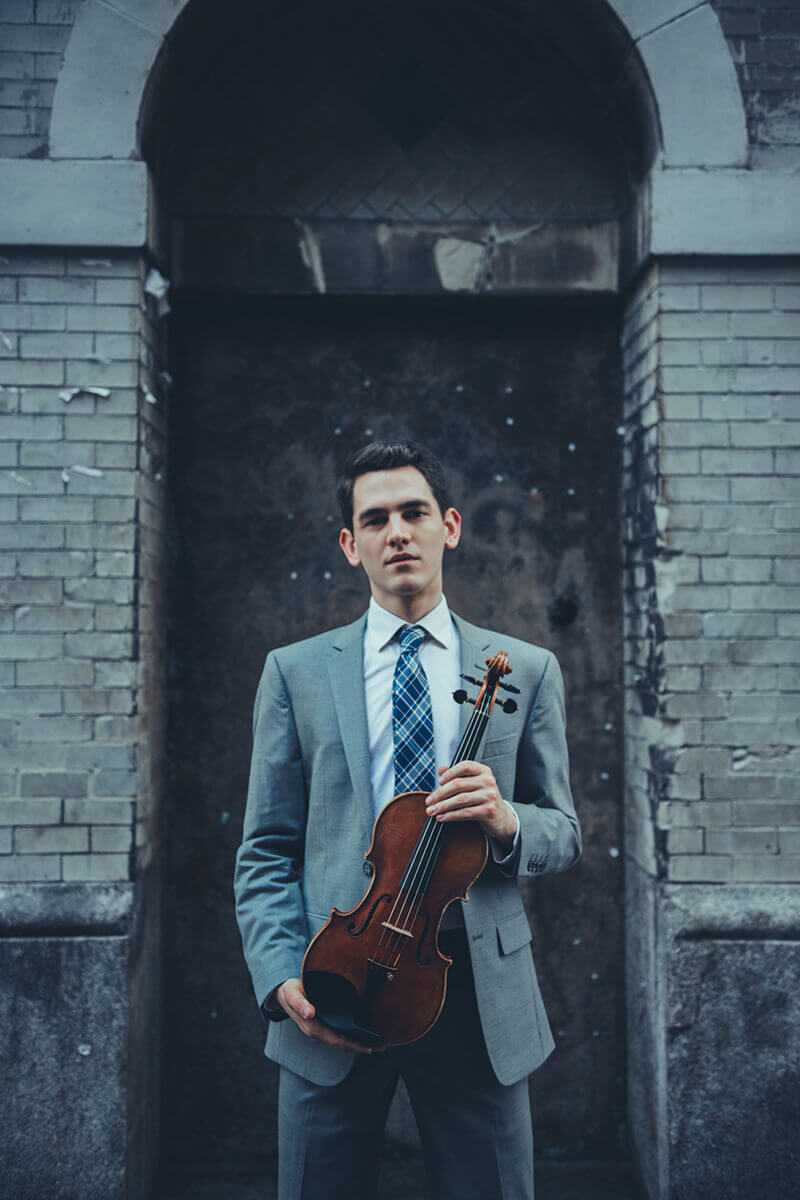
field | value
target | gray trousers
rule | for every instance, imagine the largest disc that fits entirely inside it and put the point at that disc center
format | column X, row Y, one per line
column 476, row 1134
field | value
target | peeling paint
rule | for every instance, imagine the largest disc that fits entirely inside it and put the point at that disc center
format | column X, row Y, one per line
column 460, row 264
column 311, row 254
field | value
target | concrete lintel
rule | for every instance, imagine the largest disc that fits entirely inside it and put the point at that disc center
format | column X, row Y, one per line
column 74, row 203
column 641, row 17
column 724, row 212
column 737, row 912
column 395, row 258
column 65, row 909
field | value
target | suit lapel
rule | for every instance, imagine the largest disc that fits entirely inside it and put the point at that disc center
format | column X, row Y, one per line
column 346, row 672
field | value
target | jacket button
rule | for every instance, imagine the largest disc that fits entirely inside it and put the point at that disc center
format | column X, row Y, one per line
column 367, row 868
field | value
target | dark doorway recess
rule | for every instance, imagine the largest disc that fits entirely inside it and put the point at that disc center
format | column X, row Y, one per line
column 520, row 399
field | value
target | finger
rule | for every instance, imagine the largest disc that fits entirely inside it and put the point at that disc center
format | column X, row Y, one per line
column 467, row 767
column 471, row 812
column 472, row 784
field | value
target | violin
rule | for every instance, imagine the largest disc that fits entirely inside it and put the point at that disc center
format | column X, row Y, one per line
column 375, row 973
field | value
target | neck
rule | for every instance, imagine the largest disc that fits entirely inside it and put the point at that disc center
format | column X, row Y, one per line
column 409, row 608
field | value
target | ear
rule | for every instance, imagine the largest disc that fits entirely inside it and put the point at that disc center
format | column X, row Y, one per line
column 348, row 544
column 452, row 523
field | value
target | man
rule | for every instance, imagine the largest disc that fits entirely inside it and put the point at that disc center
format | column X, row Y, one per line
column 334, row 740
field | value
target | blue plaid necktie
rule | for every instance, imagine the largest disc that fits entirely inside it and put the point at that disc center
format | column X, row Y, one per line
column 412, row 717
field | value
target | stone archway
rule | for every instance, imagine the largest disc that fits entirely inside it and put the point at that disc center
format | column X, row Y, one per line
column 112, row 132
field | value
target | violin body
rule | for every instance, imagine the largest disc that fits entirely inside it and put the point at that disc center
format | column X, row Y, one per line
column 375, row 973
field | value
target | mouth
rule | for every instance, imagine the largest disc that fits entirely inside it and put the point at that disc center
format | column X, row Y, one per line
column 402, row 558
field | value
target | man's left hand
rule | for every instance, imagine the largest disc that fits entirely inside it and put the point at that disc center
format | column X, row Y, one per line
column 468, row 792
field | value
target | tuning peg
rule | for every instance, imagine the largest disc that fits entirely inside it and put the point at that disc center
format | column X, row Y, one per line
column 509, row 687
column 509, row 706
column 460, row 696
column 469, row 679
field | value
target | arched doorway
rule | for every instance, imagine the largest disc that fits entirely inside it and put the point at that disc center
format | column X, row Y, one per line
column 474, row 176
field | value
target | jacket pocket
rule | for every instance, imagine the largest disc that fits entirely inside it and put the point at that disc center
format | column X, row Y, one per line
column 497, row 746
column 513, row 932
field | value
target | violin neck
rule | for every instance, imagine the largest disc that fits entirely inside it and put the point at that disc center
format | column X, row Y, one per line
column 471, row 737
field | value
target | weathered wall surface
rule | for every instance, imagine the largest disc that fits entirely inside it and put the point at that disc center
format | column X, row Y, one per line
column 712, row 743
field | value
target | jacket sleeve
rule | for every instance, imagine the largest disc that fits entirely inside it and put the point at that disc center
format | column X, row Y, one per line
column 267, row 878
column 550, row 834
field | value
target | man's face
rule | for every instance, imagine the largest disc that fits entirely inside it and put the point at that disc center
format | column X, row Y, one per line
column 399, row 534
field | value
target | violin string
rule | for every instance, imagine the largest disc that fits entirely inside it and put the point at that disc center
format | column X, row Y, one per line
column 425, row 851
column 428, row 845
column 420, row 859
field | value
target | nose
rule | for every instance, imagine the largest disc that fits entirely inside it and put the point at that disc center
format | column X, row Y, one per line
column 397, row 530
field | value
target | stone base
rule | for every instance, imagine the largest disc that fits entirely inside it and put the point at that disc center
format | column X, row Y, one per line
column 714, row 1019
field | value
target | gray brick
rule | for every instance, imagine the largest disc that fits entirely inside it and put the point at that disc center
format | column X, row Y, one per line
column 738, row 352
column 114, row 510
column 115, row 563
column 768, row 544
column 737, row 408
column 31, row 537
column 789, row 841
column 18, row 701
column 98, row 645
column 30, row 868
column 776, row 597
column 55, row 345
column 742, row 841
column 694, row 434
column 766, row 651
column 55, row 674
column 113, row 591
column 114, row 783
column 737, row 296
column 115, row 729
column 42, row 618
column 789, row 625
column 787, row 353
column 36, row 427
column 98, row 702
column 103, row 754
column 57, row 291
column 48, row 400
column 16, row 65
column 737, row 462
column 57, row 728
column 116, row 454
column 95, row 867
column 122, row 673
column 739, row 679
column 61, row 508
column 700, row 868
column 767, row 868
column 738, row 625
column 686, row 489
column 29, row 812
column 111, row 317
column 694, row 324
column 764, row 325
column 54, row 783
column 51, row 839
column 107, row 838
column 685, row 841
column 100, row 428
column 61, row 563
column 101, row 537
column 766, row 812
column 678, row 298
column 5, row 841
column 787, row 298
column 110, row 483
column 98, row 812
column 787, row 462
column 739, row 787
column 22, row 483
column 32, row 316
column 737, row 570
column 703, row 596
column 119, row 291
column 19, row 647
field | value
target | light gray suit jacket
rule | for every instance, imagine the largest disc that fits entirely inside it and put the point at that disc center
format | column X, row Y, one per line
column 308, row 823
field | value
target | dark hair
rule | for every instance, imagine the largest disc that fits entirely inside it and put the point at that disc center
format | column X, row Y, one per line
column 385, row 456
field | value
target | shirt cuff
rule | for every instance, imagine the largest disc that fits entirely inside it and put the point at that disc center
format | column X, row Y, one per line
column 501, row 856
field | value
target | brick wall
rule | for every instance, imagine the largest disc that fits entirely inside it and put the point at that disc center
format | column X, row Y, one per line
column 78, row 511
column 712, row 501
column 765, row 45
column 33, row 34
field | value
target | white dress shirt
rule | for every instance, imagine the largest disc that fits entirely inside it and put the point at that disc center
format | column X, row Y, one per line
column 440, row 658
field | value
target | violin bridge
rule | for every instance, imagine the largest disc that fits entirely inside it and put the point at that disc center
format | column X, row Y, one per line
column 395, row 929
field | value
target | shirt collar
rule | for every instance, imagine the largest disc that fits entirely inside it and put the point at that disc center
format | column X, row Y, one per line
column 382, row 625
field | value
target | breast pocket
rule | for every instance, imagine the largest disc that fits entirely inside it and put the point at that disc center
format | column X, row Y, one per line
column 497, row 747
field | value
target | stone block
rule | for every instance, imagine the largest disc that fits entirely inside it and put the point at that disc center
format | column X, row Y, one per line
column 63, row 1056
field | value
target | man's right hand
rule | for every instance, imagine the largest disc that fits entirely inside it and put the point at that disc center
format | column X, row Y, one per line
column 295, row 1002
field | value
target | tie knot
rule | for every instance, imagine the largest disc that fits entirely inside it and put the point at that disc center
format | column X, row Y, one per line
column 411, row 638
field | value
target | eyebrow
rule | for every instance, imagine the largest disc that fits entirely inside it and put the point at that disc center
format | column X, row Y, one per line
column 377, row 512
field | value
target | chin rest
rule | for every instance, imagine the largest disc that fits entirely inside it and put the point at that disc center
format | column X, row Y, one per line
column 337, row 1003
